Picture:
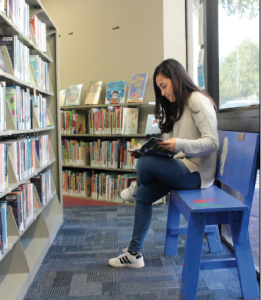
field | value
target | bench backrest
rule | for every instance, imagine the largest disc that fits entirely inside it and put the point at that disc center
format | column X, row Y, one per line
column 237, row 161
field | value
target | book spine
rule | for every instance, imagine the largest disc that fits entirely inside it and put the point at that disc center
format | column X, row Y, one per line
column 4, row 226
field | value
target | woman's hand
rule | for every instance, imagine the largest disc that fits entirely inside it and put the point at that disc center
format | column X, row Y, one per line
column 168, row 144
column 135, row 154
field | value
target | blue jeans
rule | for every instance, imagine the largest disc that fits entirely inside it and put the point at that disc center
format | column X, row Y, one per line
column 157, row 176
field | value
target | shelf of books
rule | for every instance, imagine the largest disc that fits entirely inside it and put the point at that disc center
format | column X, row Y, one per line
column 86, row 107
column 30, row 163
column 96, row 136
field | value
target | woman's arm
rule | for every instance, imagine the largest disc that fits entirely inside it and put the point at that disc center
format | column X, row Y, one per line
column 206, row 123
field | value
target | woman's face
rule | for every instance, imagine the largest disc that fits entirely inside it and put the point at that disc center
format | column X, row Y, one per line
column 166, row 87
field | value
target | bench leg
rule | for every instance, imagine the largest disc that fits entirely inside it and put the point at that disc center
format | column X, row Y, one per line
column 192, row 258
column 214, row 242
column 244, row 257
column 171, row 242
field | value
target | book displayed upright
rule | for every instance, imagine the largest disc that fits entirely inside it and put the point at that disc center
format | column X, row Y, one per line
column 137, row 88
column 115, row 92
column 130, row 116
column 62, row 97
column 152, row 125
column 94, row 92
column 40, row 70
column 39, row 30
column 74, row 95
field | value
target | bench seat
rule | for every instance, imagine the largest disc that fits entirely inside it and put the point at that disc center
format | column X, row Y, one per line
column 207, row 200
column 207, row 208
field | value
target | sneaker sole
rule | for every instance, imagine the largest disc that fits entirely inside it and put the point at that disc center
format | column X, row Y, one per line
column 128, row 200
column 127, row 266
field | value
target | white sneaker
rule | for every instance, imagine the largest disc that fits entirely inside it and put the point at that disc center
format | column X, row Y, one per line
column 125, row 250
column 129, row 193
column 127, row 260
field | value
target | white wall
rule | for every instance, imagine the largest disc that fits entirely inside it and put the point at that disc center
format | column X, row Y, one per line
column 174, row 34
column 148, row 33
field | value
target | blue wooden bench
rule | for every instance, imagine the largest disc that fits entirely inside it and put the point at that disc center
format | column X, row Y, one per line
column 237, row 165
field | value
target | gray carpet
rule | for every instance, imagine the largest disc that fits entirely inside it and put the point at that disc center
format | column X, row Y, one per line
column 76, row 265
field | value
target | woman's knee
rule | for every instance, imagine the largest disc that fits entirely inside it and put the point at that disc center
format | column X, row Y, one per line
column 144, row 162
column 143, row 196
column 148, row 193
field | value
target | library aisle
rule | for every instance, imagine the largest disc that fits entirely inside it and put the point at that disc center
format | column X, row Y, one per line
column 76, row 265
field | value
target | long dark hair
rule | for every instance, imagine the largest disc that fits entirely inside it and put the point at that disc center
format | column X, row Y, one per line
column 166, row 112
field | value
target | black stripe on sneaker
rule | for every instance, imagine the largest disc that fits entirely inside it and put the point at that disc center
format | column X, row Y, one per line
column 127, row 259
column 122, row 261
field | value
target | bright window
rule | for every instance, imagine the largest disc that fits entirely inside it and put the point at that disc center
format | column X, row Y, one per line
column 238, row 53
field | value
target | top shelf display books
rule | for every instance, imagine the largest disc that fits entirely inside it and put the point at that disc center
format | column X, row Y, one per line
column 94, row 92
column 115, row 92
column 74, row 95
column 137, row 88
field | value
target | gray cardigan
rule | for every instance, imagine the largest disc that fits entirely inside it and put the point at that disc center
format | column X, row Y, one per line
column 197, row 138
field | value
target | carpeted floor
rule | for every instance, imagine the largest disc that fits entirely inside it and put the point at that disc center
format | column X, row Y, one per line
column 75, row 267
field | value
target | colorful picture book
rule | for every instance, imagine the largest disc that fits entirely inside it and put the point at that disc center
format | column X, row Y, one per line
column 152, row 147
column 137, row 88
column 32, row 77
column 130, row 116
column 94, row 92
column 108, row 186
column 152, row 126
column 74, row 95
column 72, row 122
column 115, row 92
column 76, row 183
column 40, row 69
column 63, row 94
column 39, row 31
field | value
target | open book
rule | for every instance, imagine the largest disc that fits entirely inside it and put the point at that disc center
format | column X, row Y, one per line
column 151, row 147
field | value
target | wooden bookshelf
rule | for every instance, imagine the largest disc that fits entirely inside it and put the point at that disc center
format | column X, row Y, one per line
column 145, row 108
column 16, row 81
column 27, row 249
